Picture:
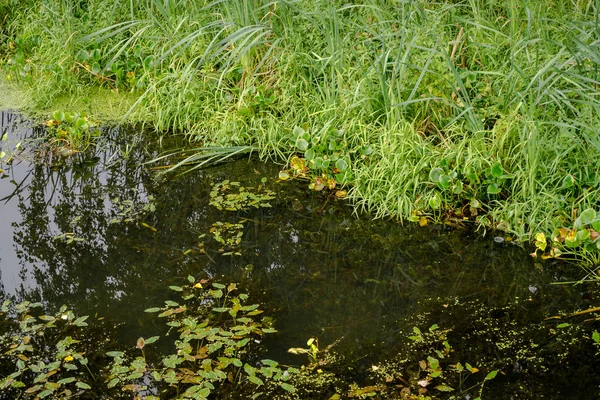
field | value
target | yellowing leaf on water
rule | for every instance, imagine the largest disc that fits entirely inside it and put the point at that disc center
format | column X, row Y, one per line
column 340, row 194
column 198, row 286
column 145, row 225
column 422, row 221
column 284, row 175
column 140, row 343
column 68, row 358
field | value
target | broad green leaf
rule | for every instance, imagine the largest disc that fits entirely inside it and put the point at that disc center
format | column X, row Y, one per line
column 491, row 375
column 287, row 387
column 496, row 170
column 302, row 144
column 444, row 182
column 153, row 309
column 568, row 182
column 587, row 216
column 435, row 174
column 176, row 288
column 493, row 188
column 444, row 388
column 83, row 385
column 309, row 154
column 341, row 164
column 152, row 339
column 596, row 337
column 257, row 381
column 45, row 393
column 113, row 382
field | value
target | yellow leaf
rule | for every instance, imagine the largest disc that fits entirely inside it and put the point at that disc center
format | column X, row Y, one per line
column 423, row 221
column 68, row 358
column 540, row 237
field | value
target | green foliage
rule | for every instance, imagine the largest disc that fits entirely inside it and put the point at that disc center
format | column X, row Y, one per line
column 377, row 95
column 216, row 330
column 214, row 346
column 71, row 130
column 231, row 196
column 229, row 236
column 39, row 358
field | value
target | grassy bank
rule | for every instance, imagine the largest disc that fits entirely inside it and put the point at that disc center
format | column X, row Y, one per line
column 479, row 110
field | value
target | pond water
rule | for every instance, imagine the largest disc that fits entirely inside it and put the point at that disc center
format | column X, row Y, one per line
column 101, row 233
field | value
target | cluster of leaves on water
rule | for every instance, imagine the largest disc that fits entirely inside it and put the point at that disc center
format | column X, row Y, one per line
column 70, row 131
column 130, row 211
column 454, row 183
column 232, row 196
column 39, row 357
column 437, row 359
column 70, row 237
column 216, row 330
column 229, row 235
column 216, row 335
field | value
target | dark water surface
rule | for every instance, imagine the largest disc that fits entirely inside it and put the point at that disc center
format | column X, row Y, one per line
column 318, row 269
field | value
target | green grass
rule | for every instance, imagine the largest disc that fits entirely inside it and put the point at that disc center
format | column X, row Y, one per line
column 499, row 98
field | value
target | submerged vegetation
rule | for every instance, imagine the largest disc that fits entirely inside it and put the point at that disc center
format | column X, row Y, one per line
column 485, row 111
column 215, row 349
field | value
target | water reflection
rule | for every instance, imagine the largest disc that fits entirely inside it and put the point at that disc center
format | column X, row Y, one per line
column 320, row 270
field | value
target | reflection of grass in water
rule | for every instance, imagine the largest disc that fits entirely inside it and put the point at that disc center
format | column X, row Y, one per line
column 467, row 90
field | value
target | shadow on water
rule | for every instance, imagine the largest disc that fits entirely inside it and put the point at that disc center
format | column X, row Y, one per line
column 100, row 233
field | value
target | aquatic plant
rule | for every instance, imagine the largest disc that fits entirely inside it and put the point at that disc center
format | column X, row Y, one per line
column 71, row 130
column 430, row 109
column 215, row 347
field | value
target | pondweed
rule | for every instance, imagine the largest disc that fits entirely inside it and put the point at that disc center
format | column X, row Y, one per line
column 464, row 109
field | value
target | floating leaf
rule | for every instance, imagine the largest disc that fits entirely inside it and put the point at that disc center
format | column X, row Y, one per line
column 287, row 387
column 82, row 385
column 444, row 388
column 491, row 375
column 284, row 175
column 257, row 381
column 176, row 288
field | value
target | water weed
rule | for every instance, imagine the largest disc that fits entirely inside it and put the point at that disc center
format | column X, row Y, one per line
column 453, row 109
